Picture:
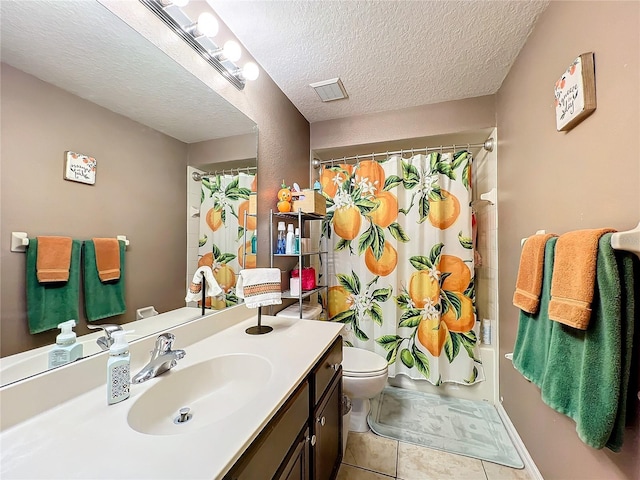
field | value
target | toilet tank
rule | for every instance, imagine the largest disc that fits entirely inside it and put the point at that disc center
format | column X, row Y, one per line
column 310, row 311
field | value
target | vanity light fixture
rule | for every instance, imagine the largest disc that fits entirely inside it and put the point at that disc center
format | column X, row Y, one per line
column 198, row 35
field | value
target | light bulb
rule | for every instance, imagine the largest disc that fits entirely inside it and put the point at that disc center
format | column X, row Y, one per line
column 250, row 71
column 207, row 25
column 232, row 51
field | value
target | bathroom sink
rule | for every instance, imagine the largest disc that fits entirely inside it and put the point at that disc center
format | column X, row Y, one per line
column 212, row 390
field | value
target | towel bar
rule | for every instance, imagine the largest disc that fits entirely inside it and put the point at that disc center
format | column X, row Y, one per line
column 20, row 241
column 629, row 240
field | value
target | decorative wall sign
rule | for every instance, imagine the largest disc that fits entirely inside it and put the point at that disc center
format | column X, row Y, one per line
column 80, row 168
column 575, row 93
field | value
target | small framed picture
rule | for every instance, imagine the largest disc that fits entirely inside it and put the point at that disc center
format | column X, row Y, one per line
column 575, row 93
column 79, row 168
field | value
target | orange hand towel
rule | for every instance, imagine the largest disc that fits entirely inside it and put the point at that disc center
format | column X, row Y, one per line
column 53, row 259
column 574, row 276
column 107, row 258
column 529, row 281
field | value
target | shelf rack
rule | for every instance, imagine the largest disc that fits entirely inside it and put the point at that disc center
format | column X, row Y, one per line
column 300, row 217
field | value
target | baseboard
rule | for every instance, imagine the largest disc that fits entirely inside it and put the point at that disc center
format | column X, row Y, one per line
column 529, row 464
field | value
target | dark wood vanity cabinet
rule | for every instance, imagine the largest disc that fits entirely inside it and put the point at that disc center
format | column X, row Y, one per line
column 303, row 441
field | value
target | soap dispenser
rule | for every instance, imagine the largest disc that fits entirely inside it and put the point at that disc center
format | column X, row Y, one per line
column 66, row 349
column 118, row 369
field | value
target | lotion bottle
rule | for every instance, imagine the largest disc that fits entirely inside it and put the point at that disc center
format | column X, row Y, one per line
column 290, row 240
column 66, row 349
column 118, row 369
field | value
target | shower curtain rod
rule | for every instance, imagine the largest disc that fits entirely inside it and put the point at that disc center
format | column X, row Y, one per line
column 488, row 145
column 198, row 176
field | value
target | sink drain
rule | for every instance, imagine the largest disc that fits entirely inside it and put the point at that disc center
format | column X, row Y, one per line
column 184, row 416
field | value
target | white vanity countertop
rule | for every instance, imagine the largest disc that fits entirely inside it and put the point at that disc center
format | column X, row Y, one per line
column 85, row 438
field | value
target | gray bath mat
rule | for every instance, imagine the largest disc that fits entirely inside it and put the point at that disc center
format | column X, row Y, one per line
column 464, row 427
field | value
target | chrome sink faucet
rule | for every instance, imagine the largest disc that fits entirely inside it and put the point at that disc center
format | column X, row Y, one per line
column 162, row 359
column 106, row 341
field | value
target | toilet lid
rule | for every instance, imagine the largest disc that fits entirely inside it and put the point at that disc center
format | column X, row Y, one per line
column 357, row 362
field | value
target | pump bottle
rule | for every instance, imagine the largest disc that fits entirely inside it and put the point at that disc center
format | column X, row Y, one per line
column 66, row 349
column 118, row 369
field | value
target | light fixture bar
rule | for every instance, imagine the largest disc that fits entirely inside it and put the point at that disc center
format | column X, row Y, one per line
column 160, row 12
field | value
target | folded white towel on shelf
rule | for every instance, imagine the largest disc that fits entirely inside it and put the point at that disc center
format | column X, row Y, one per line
column 259, row 287
column 194, row 293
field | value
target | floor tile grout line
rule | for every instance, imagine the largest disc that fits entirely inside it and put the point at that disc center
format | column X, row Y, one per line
column 369, row 470
column 486, row 475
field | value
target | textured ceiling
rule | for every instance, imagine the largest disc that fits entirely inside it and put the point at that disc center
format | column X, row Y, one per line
column 389, row 54
column 84, row 49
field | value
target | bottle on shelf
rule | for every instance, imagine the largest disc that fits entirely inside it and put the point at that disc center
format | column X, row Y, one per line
column 289, row 240
column 254, row 242
column 282, row 240
column 296, row 242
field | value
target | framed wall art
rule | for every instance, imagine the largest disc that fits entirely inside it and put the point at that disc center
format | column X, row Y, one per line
column 575, row 93
column 79, row 168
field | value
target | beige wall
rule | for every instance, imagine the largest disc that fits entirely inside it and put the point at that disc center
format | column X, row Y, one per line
column 444, row 118
column 585, row 178
column 222, row 150
column 139, row 192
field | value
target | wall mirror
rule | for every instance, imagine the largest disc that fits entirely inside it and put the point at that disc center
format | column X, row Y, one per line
column 81, row 50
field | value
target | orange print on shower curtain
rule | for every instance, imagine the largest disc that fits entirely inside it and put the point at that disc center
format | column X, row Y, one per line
column 401, row 263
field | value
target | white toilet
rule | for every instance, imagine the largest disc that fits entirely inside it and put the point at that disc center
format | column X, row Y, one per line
column 364, row 373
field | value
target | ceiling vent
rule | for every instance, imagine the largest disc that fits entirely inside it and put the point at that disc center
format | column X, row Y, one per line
column 330, row 90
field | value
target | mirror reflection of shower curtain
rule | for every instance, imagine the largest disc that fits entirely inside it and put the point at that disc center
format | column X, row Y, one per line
column 224, row 201
column 401, row 270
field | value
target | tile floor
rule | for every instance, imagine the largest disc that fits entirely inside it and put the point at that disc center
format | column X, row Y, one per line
column 370, row 457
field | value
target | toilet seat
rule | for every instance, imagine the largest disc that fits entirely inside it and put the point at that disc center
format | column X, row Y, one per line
column 357, row 362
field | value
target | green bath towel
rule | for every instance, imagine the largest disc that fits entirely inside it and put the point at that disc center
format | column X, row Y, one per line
column 102, row 300
column 49, row 304
column 531, row 349
column 587, row 372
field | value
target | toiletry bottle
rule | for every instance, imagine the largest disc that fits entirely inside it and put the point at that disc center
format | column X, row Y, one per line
column 296, row 242
column 118, row 369
column 281, row 246
column 254, row 242
column 290, row 238
column 66, row 348
column 317, row 186
column 486, row 331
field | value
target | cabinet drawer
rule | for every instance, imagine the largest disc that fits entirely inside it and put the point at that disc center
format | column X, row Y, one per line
column 263, row 457
column 325, row 370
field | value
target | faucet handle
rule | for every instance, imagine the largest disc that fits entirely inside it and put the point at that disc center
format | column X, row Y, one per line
column 164, row 342
column 108, row 328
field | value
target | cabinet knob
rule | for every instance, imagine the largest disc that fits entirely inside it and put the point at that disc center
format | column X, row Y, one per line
column 312, row 439
column 335, row 366
column 321, row 421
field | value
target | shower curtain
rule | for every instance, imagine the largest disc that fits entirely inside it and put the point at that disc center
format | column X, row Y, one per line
column 401, row 263
column 224, row 199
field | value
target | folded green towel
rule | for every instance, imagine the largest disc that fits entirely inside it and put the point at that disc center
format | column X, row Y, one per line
column 102, row 300
column 587, row 372
column 531, row 349
column 49, row 304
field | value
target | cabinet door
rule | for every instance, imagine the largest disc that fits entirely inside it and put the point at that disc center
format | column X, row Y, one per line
column 263, row 458
column 298, row 466
column 327, row 427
